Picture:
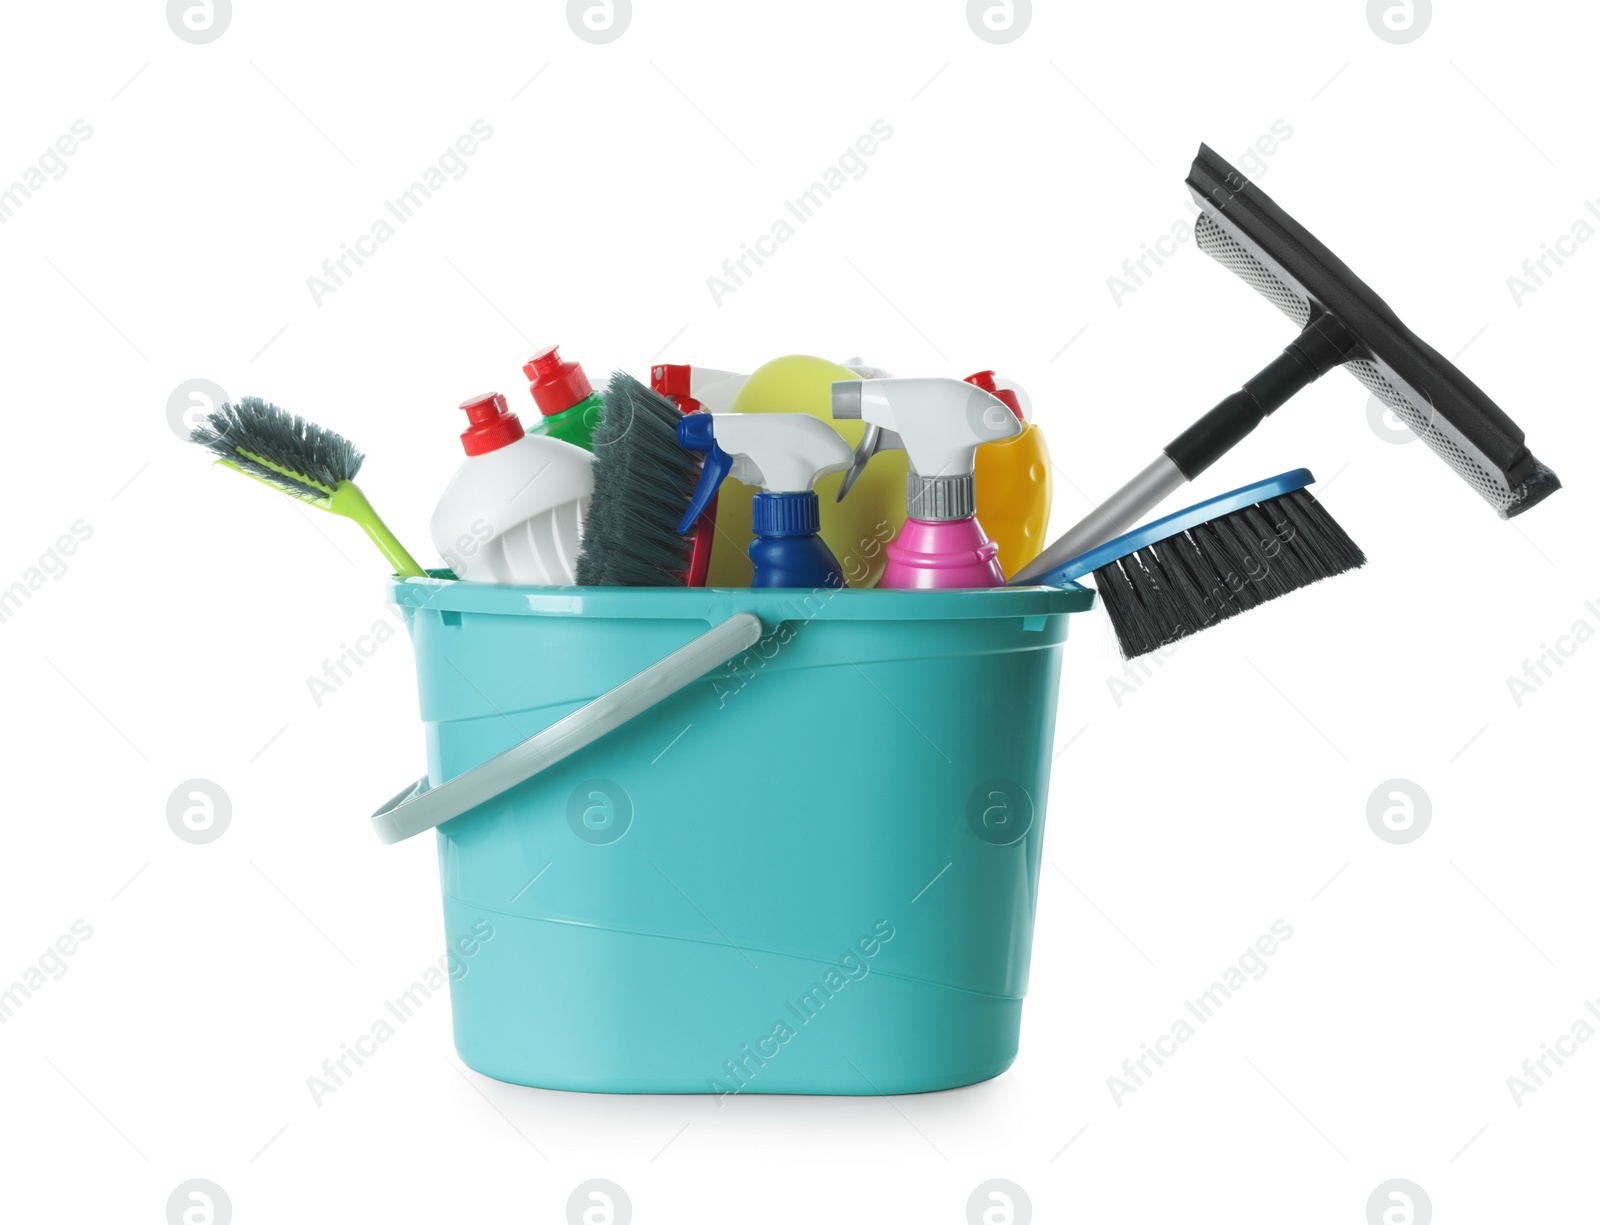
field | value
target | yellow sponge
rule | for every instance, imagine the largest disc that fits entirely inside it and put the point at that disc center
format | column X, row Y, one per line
column 856, row 529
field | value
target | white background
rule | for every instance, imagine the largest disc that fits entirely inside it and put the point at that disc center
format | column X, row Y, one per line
column 1228, row 791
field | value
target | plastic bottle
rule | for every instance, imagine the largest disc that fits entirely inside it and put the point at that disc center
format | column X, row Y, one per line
column 514, row 511
column 1013, row 482
column 856, row 529
column 569, row 407
column 693, row 389
column 783, row 454
column 939, row 424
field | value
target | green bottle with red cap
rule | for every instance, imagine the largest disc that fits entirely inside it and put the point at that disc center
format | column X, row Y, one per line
column 569, row 407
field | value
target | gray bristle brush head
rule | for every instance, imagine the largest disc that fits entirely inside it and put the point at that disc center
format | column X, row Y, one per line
column 643, row 483
column 264, row 441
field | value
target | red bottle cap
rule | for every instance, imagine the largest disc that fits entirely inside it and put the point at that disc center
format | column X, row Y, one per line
column 556, row 385
column 984, row 379
column 493, row 424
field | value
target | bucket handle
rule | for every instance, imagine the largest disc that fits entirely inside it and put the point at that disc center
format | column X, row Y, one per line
column 422, row 807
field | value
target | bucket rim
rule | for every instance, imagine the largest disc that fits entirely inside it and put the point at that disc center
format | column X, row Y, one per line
column 771, row 604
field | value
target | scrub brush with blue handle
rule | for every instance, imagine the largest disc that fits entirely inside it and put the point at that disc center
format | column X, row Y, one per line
column 1186, row 571
column 303, row 460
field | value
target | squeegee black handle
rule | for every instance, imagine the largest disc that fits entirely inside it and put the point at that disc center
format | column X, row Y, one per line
column 1323, row 345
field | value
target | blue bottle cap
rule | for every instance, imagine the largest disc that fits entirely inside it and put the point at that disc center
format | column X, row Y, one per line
column 785, row 514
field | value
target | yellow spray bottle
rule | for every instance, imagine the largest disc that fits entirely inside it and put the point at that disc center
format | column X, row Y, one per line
column 1013, row 483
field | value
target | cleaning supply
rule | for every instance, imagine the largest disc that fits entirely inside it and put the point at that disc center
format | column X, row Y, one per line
column 939, row 423
column 303, row 460
column 857, row 530
column 627, row 967
column 643, row 482
column 858, row 366
column 712, row 390
column 1341, row 322
column 688, row 388
column 783, row 454
column 568, row 405
column 1012, row 477
column 1189, row 570
column 515, row 509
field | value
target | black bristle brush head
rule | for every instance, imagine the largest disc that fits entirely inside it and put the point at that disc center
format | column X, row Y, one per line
column 1214, row 570
column 643, row 482
column 278, row 447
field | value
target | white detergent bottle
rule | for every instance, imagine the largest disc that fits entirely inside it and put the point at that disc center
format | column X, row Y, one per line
column 514, row 512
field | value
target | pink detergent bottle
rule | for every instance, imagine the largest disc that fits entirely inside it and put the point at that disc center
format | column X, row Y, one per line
column 939, row 423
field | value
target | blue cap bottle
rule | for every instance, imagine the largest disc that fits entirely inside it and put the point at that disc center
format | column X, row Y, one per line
column 783, row 455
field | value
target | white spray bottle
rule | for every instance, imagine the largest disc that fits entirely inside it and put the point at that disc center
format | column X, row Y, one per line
column 784, row 455
column 939, row 423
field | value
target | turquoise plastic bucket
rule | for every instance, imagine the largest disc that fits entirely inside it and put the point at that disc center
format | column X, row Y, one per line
column 812, row 871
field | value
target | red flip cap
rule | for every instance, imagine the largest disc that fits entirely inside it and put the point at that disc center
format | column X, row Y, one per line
column 984, row 380
column 493, row 424
column 555, row 385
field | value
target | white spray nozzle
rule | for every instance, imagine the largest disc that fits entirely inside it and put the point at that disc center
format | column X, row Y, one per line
column 781, row 452
column 938, row 423
column 776, row 452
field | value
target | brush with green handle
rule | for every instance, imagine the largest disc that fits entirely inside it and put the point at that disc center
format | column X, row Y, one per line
column 303, row 460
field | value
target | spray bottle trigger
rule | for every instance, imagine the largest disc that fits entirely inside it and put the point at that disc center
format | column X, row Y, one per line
column 858, row 465
column 696, row 433
column 873, row 439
